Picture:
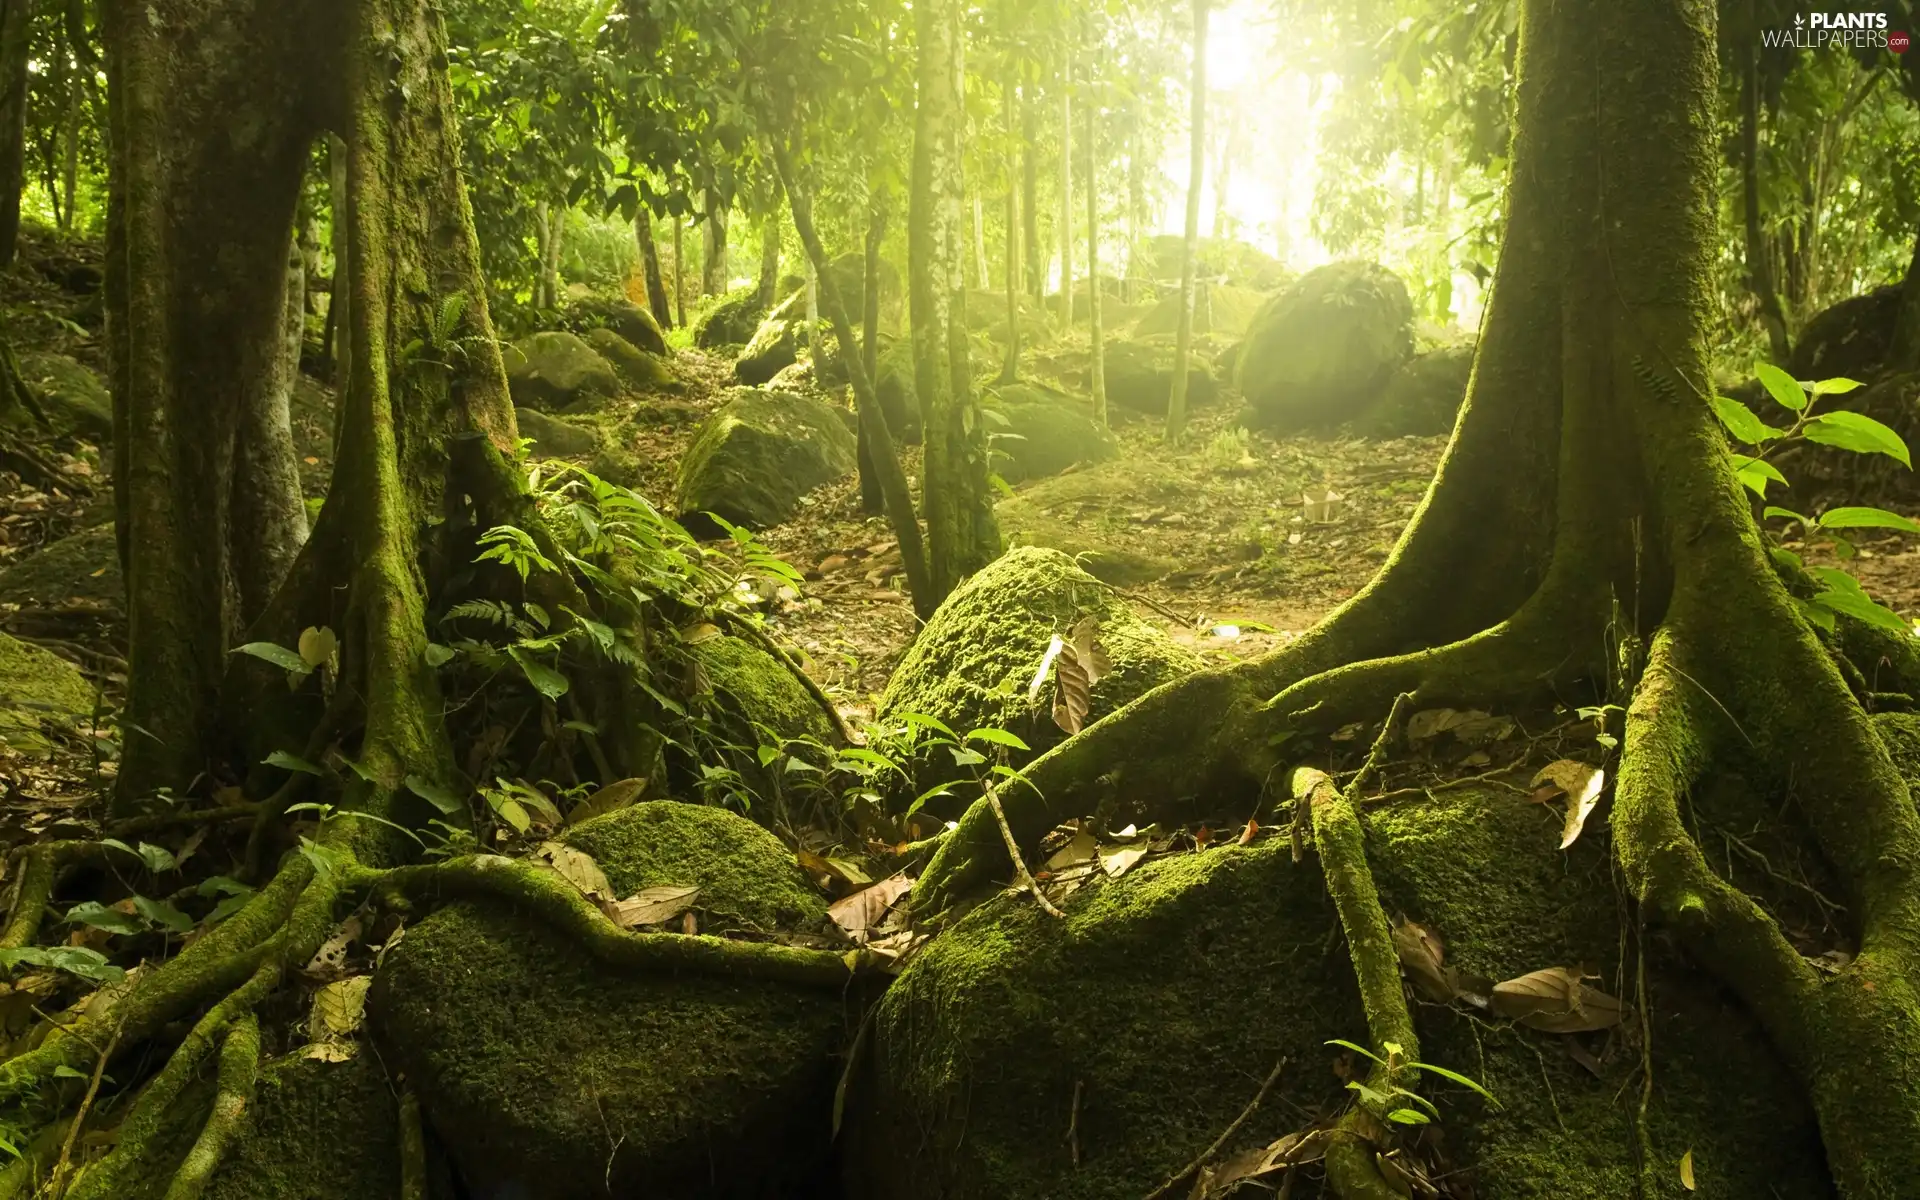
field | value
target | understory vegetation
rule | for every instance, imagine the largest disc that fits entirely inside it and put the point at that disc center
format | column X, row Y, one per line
column 1169, row 598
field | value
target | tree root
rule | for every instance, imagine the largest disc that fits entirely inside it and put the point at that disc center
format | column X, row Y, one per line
column 37, row 869
column 413, row 1148
column 239, row 1064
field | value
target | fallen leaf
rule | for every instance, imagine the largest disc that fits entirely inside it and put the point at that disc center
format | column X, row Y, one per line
column 1080, row 666
column 859, row 913
column 1083, row 848
column 611, row 798
column 332, row 955
column 1555, row 1000
column 338, row 1009
column 1686, row 1170
column 832, row 871
column 576, row 867
column 1581, row 784
column 1431, row 722
column 1246, row 835
column 1120, row 861
column 651, row 906
column 330, row 1052
column 1424, row 957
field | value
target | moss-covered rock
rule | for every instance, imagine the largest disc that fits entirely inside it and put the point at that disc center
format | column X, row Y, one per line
column 972, row 663
column 80, row 566
column 641, row 370
column 555, row 436
column 758, row 454
column 550, row 1077
column 1166, row 995
column 38, row 691
column 775, row 344
column 1423, row 397
column 1084, row 514
column 1045, row 433
column 1320, row 351
column 732, row 321
column 74, row 398
column 621, row 317
column 554, row 371
column 755, row 689
column 316, row 1131
column 1218, row 308
column 1139, row 376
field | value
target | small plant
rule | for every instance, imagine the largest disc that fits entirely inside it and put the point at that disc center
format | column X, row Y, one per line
column 1420, row 1110
column 1228, row 450
column 1841, row 593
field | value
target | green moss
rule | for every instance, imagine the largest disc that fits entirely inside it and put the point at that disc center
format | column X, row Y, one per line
column 37, row 690
column 1045, row 433
column 639, row 369
column 744, row 873
column 83, row 566
column 973, row 662
column 1086, row 514
column 1168, row 994
column 1900, row 733
column 316, row 1131
column 755, row 689
column 759, row 453
column 545, row 1074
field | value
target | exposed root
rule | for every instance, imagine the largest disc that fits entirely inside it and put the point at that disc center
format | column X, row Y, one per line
column 36, row 870
column 239, row 1064
column 413, row 1148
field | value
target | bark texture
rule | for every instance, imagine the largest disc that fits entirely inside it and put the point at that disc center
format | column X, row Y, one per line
column 16, row 19
column 657, row 302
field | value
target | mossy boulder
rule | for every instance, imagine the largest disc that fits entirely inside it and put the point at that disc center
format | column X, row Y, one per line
column 620, row 316
column 775, row 344
column 1318, row 352
column 555, row 371
column 81, row 566
column 75, row 399
column 971, row 664
column 1087, row 515
column 555, row 436
column 548, row 1076
column 1423, row 397
column 1166, row 995
column 641, row 370
column 1218, row 308
column 898, row 399
column 39, row 691
column 1045, row 432
column 758, row 454
column 732, row 321
column 753, row 689
column 316, row 1131
column 1139, row 376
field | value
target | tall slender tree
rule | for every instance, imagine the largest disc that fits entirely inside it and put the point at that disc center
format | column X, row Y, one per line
column 657, row 302
column 1090, row 184
column 16, row 27
column 1190, row 246
column 1065, row 232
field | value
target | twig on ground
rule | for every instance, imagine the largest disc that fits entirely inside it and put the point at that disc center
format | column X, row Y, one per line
column 1073, row 1123
column 1013, row 852
column 57, row 1185
column 1166, row 1189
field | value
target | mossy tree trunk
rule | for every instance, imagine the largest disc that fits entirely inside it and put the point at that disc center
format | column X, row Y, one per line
column 873, row 497
column 713, row 233
column 1034, row 254
column 768, row 282
column 1190, row 245
column 1759, row 253
column 16, row 21
column 1626, row 564
column 962, row 535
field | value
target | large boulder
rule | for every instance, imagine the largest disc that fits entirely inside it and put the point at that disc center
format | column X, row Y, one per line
column 972, row 663
column 1423, row 397
column 641, row 370
column 547, row 1075
column 555, row 371
column 1139, row 376
column 754, row 691
column 1146, row 1019
column 732, row 321
column 622, row 316
column 1320, row 351
column 1218, row 308
column 1041, row 432
column 849, row 274
column 757, row 454
column 775, row 344
column 75, row 399
column 555, row 436
column 898, row 398
column 40, row 693
column 1084, row 514
column 1851, row 340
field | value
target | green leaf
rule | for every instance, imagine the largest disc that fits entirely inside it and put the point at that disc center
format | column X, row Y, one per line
column 1860, row 607
column 220, row 885
column 1786, row 558
column 926, row 722
column 1409, row 1116
column 1781, row 386
column 513, row 814
column 1835, row 387
column 99, row 916
column 279, row 656
column 438, row 655
column 1754, row 474
column 545, row 680
column 998, row 737
column 157, row 858
column 1774, row 510
column 162, row 914
column 434, row 794
column 63, row 1071
column 1818, row 617
column 291, row 762
column 1859, row 517
column 1741, row 422
column 1357, row 1049
column 1861, row 434
column 1370, row 1095
column 1455, row 1076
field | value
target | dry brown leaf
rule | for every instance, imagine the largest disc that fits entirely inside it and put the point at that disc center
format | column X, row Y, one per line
column 576, row 867
column 332, row 955
column 651, row 906
column 1080, row 665
column 611, row 798
column 1122, row 860
column 330, row 1052
column 1470, row 726
column 1246, row 835
column 1555, row 1000
column 1424, row 957
column 859, row 913
column 838, row 874
column 1582, row 785
column 1082, row 849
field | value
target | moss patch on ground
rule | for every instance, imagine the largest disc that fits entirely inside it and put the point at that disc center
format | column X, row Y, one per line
column 753, row 687
column 38, row 690
column 1168, row 994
